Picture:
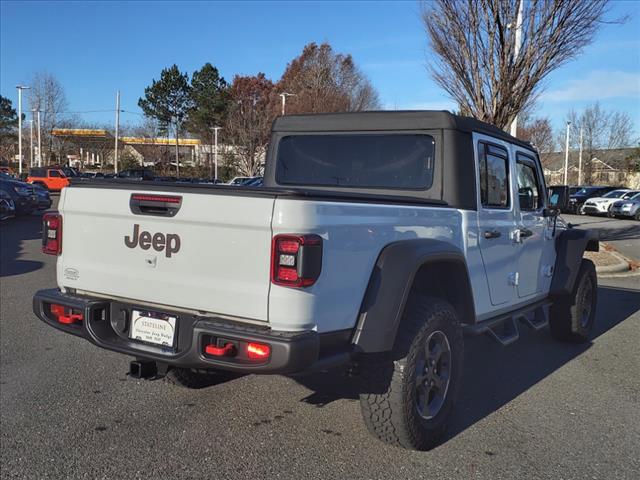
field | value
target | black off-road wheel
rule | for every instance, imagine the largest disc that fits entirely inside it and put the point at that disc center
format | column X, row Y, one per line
column 409, row 396
column 571, row 318
column 196, row 379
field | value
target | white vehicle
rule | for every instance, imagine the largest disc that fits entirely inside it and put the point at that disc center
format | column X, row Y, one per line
column 378, row 239
column 602, row 205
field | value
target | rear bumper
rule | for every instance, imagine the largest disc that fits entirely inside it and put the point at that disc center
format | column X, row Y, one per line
column 105, row 325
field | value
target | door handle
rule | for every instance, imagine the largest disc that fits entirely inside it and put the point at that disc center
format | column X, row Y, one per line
column 525, row 233
column 489, row 234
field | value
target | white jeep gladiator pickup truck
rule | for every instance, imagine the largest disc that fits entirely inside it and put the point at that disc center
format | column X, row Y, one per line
column 378, row 239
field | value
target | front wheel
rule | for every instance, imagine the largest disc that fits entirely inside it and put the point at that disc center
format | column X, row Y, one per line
column 571, row 317
column 409, row 396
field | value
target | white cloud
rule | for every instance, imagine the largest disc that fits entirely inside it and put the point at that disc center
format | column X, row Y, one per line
column 597, row 85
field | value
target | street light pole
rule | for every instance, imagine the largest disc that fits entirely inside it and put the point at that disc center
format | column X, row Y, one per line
column 566, row 154
column 20, row 88
column 284, row 96
column 31, row 141
column 39, row 142
column 516, row 53
column 115, row 152
column 580, row 158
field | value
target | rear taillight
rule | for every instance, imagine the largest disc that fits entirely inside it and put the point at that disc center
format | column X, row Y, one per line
column 52, row 233
column 296, row 260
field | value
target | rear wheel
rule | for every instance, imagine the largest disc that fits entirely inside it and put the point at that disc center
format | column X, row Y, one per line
column 571, row 317
column 195, row 379
column 409, row 396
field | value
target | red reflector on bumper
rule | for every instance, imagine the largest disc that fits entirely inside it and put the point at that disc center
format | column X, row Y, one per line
column 65, row 315
column 227, row 351
column 258, row 351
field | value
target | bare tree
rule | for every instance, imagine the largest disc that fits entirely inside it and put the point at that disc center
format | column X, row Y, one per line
column 601, row 129
column 539, row 132
column 474, row 46
column 325, row 81
column 47, row 95
column 248, row 123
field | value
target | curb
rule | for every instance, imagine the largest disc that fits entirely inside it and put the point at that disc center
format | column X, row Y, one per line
column 622, row 267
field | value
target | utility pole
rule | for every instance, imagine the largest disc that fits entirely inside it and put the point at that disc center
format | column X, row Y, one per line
column 580, row 158
column 177, row 150
column 516, row 53
column 31, row 141
column 20, row 88
column 39, row 142
column 566, row 154
column 284, row 96
column 115, row 153
column 215, row 151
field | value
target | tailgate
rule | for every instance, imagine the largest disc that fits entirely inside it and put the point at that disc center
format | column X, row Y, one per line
column 221, row 267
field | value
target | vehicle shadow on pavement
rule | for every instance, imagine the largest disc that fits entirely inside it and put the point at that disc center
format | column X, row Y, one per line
column 495, row 375
column 12, row 235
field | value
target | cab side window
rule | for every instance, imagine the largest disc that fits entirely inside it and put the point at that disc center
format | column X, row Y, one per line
column 54, row 173
column 530, row 195
column 494, row 176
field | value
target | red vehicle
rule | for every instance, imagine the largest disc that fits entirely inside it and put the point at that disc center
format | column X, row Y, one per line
column 51, row 178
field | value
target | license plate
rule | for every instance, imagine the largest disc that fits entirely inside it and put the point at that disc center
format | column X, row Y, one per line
column 153, row 327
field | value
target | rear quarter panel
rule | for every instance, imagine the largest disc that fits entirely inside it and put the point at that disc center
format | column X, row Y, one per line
column 353, row 236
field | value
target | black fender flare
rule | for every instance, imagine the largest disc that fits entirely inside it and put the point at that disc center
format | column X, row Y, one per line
column 570, row 247
column 390, row 285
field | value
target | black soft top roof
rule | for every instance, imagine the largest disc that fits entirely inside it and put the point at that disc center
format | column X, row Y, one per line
column 389, row 120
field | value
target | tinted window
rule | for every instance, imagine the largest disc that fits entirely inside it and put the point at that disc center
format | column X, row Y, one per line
column 54, row 173
column 529, row 191
column 494, row 176
column 402, row 161
column 615, row 194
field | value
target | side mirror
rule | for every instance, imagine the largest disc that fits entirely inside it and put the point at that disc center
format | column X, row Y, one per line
column 559, row 197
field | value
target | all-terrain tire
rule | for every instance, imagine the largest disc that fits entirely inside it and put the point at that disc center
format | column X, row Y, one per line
column 196, row 379
column 390, row 398
column 571, row 318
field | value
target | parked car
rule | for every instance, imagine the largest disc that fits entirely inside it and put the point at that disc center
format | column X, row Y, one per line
column 23, row 195
column 239, row 180
column 601, row 205
column 44, row 199
column 92, row 175
column 254, row 182
column 137, row 174
column 627, row 208
column 7, row 207
column 70, row 171
column 51, row 178
column 576, row 201
column 371, row 249
column 7, row 170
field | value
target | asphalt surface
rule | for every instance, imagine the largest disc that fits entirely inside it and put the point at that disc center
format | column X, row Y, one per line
column 536, row 409
column 623, row 234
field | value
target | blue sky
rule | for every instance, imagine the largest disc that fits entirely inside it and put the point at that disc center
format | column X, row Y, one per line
column 95, row 48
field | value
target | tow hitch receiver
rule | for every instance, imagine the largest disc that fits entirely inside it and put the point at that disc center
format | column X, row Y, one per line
column 142, row 369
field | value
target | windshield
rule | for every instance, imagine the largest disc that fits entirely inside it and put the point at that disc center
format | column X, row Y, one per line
column 615, row 194
column 629, row 195
column 586, row 190
column 636, row 196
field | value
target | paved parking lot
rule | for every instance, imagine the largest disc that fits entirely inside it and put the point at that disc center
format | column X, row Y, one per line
column 537, row 409
column 623, row 234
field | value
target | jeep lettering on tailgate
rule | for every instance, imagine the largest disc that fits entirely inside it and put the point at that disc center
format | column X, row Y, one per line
column 170, row 242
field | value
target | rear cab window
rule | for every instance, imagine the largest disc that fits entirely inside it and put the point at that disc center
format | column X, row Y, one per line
column 390, row 161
